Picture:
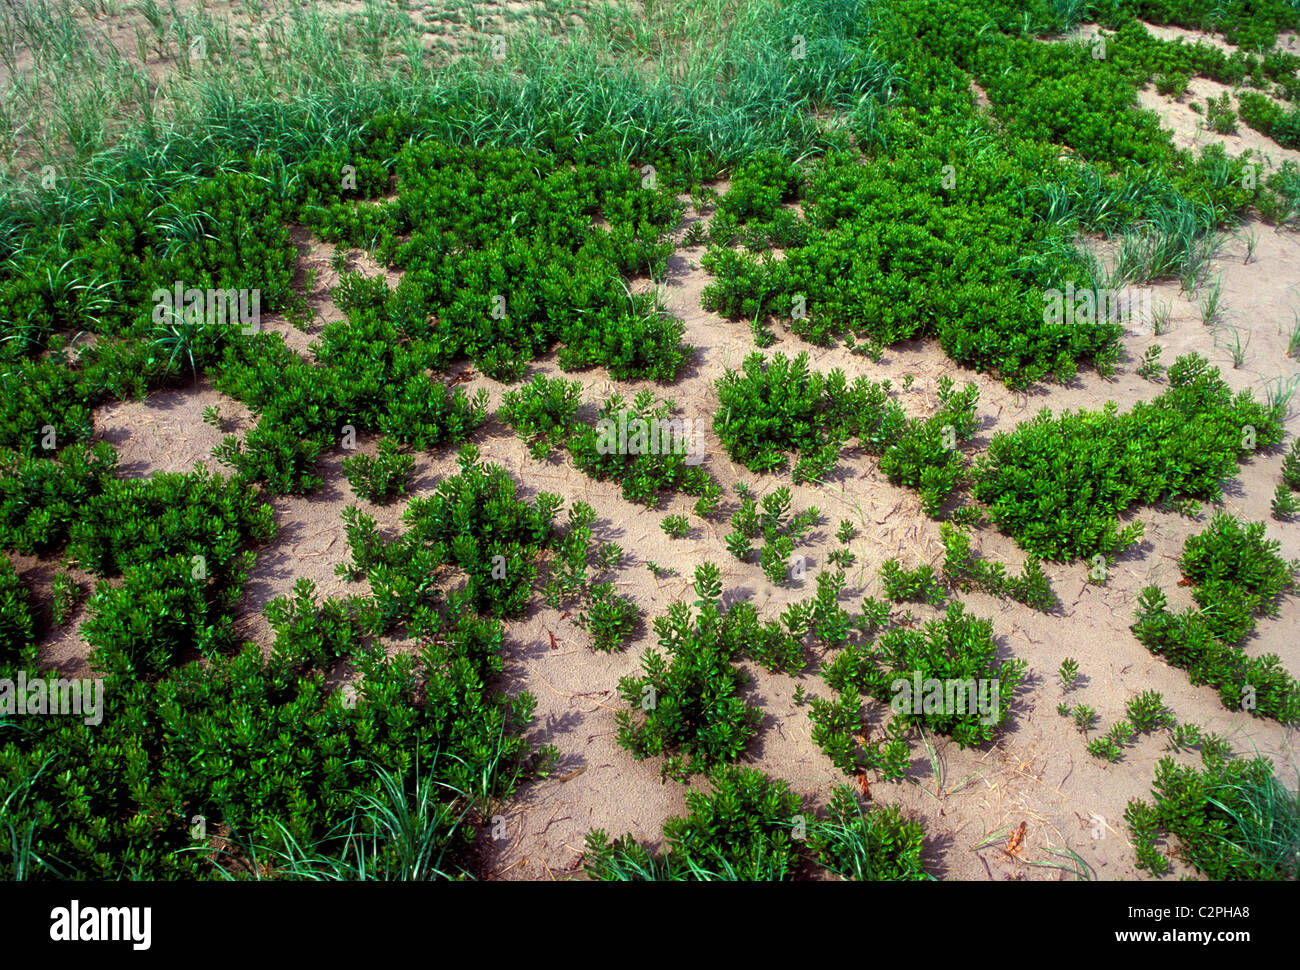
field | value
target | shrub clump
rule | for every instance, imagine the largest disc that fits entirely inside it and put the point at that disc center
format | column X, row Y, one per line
column 1236, row 575
column 1059, row 484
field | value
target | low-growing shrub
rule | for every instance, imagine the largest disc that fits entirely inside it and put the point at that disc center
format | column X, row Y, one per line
column 963, row 570
column 688, row 706
column 1059, row 484
column 474, row 521
column 1237, row 574
column 382, row 478
column 543, row 412
column 642, row 447
column 919, row 584
column 312, row 636
column 1233, row 819
column 876, row 845
column 741, row 830
column 17, row 625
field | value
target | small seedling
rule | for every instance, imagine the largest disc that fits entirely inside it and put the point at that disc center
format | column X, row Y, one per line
column 1105, row 747
column 1151, row 367
column 1284, row 504
column 1084, row 717
column 696, row 235
column 212, row 416
column 1183, row 737
column 608, row 556
column 799, row 694
column 845, row 532
column 707, row 504
column 660, row 572
column 1069, row 673
column 842, row 558
column 1147, row 712
column 676, row 526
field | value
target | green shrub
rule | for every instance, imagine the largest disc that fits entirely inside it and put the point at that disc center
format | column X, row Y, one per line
column 1058, row 484
column 17, row 625
column 610, row 618
column 543, row 412
column 309, row 636
column 919, row 584
column 957, row 649
column 41, row 498
column 66, row 593
column 676, row 526
column 688, row 707
column 867, row 846
column 382, row 478
column 648, row 451
column 1233, row 818
column 1236, row 574
column 741, row 830
column 161, row 610
column 474, row 520
column 963, row 570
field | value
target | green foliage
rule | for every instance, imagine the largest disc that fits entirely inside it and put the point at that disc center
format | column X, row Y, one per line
column 1291, row 467
column 1147, row 712
column 675, row 526
column 1172, row 85
column 1058, row 485
column 687, row 704
column 610, row 618
column 1151, row 367
column 474, row 521
column 1284, row 505
column 741, row 830
column 839, row 732
column 1236, row 575
column 689, row 707
column 1069, row 673
column 1084, row 717
column 777, row 405
column 41, row 498
column 382, row 478
column 780, row 532
column 642, row 447
column 1233, row 818
column 918, row 585
column 66, row 593
column 143, row 627
column 878, row 845
column 309, row 636
column 277, row 458
column 1219, row 114
column 266, row 750
column 963, row 570
column 957, row 649
column 543, row 412
column 17, row 625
